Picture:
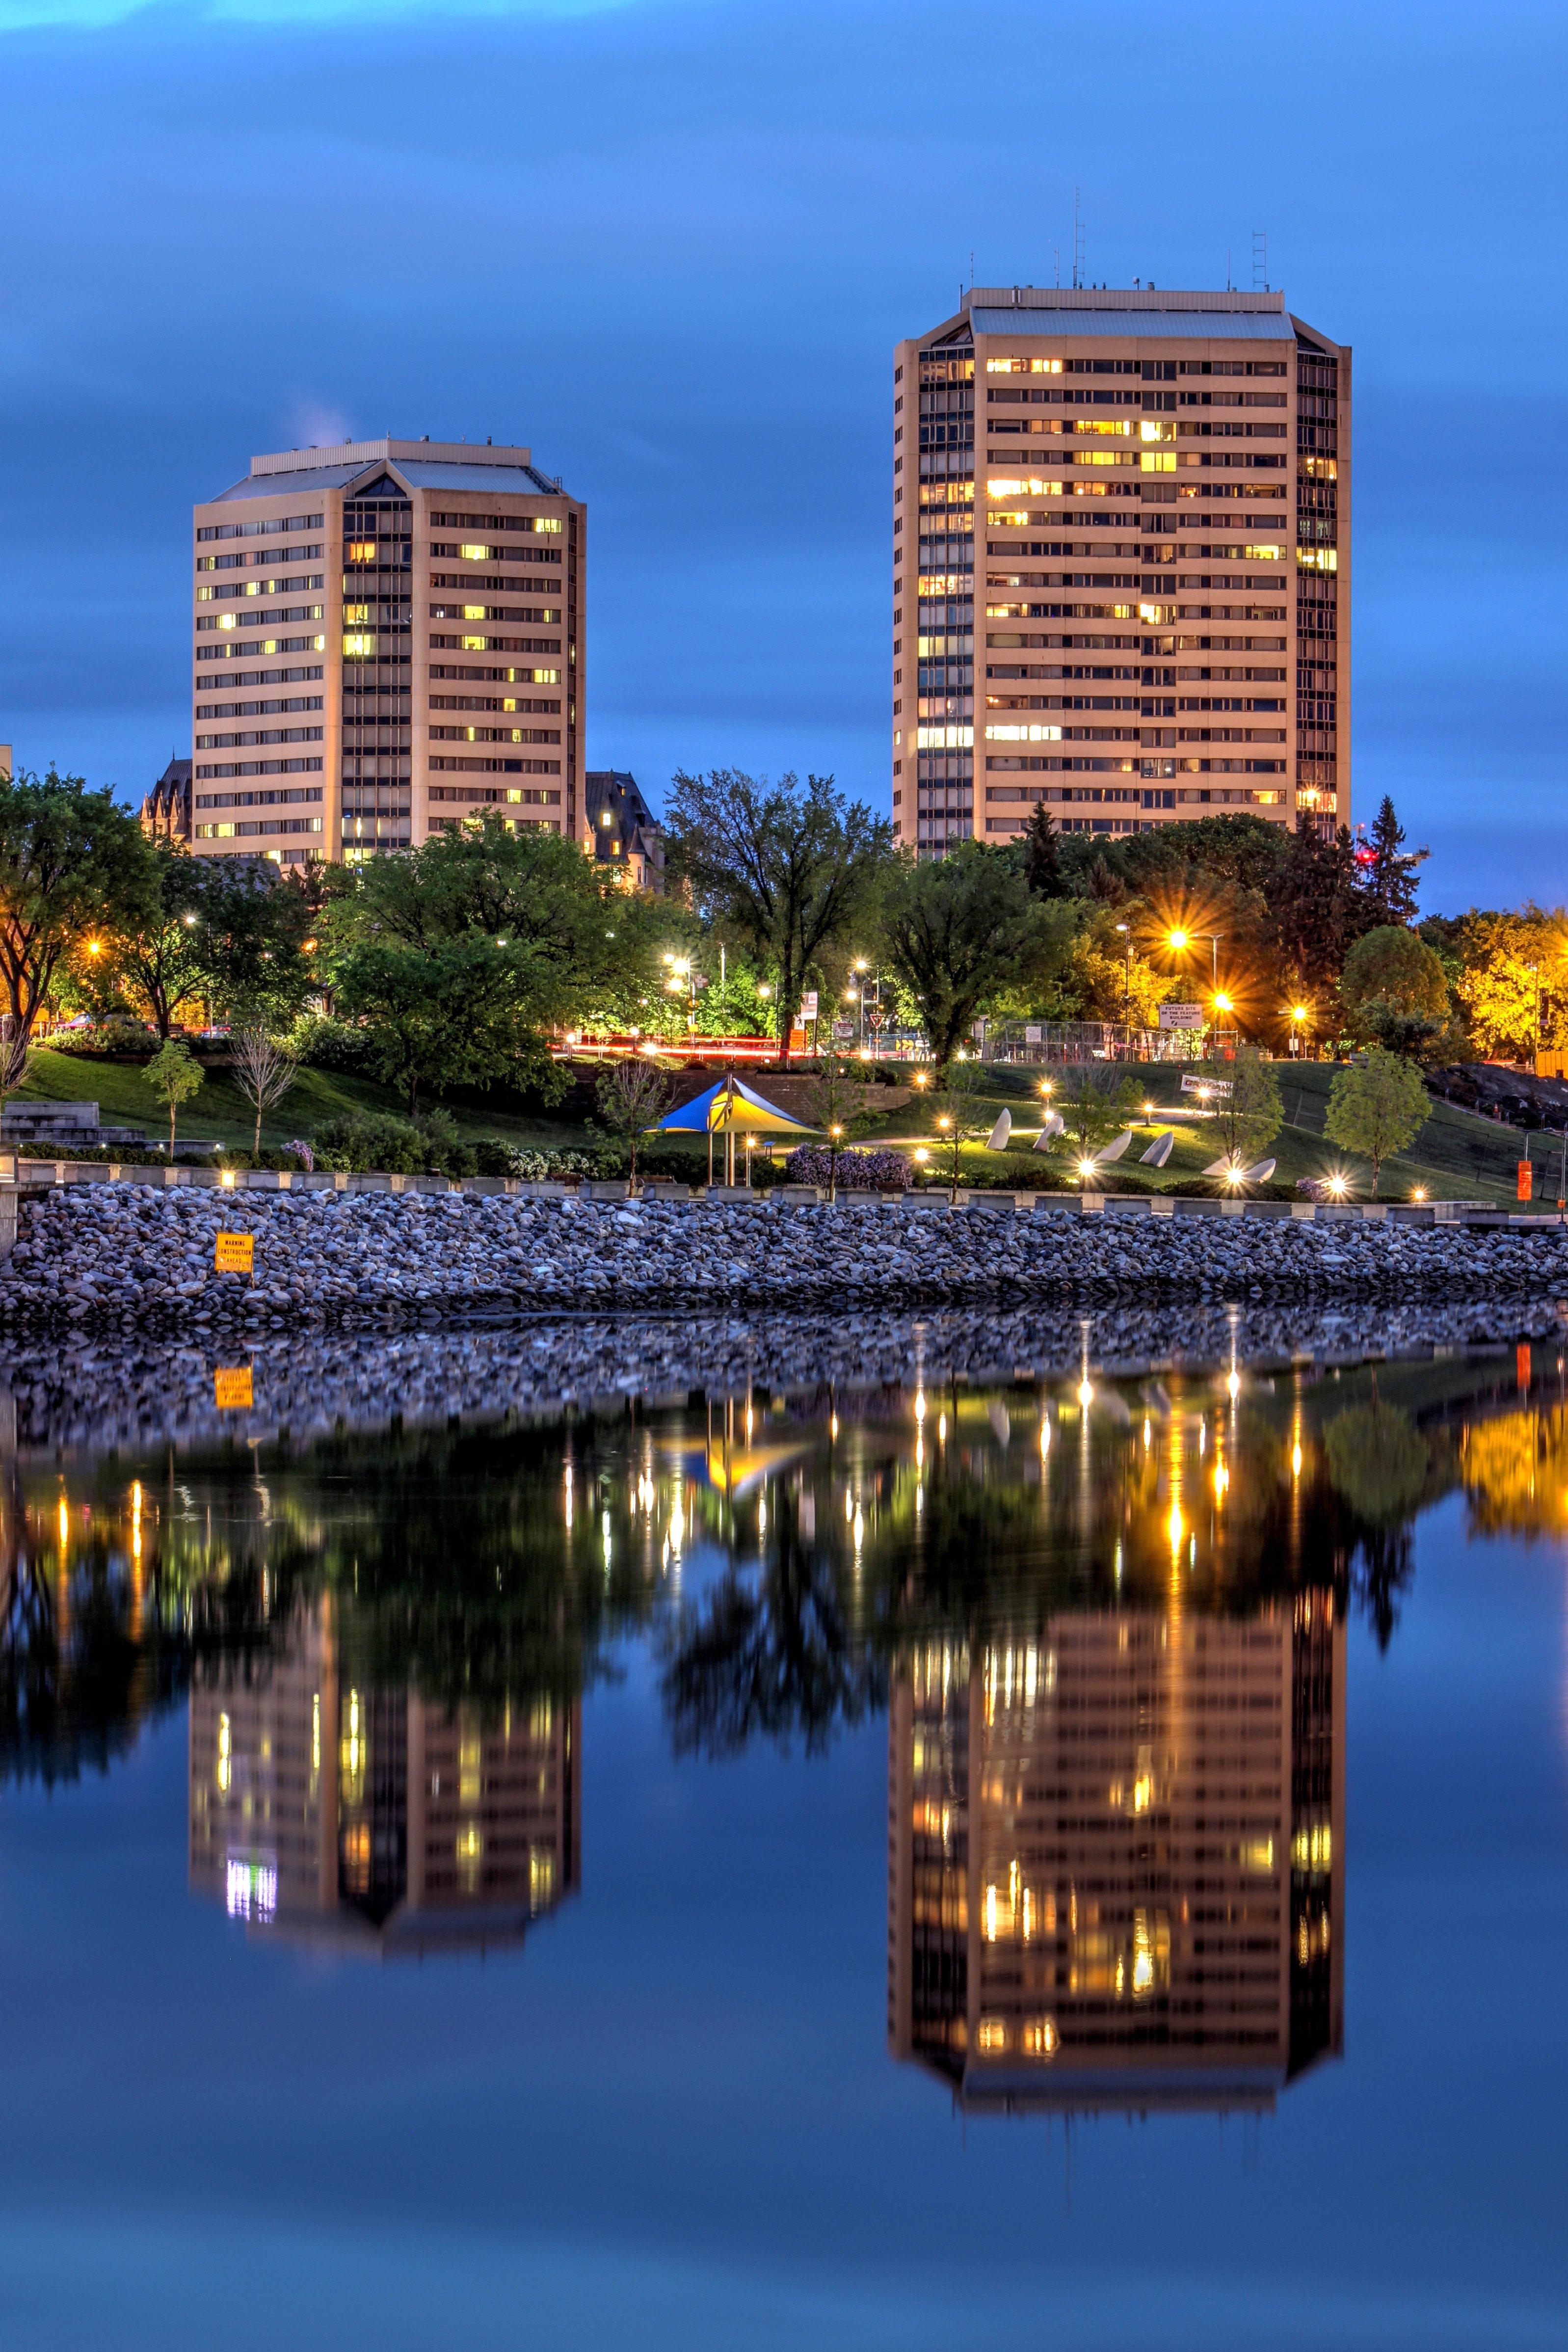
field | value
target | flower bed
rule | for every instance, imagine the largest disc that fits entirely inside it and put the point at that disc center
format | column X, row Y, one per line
column 880, row 1171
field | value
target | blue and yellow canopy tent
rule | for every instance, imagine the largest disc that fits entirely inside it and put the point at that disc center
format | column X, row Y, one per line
column 729, row 1108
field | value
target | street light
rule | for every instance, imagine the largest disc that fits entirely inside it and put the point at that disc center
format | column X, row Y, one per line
column 1180, row 940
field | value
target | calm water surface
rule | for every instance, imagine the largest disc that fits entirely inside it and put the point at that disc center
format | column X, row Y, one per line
column 917, row 1867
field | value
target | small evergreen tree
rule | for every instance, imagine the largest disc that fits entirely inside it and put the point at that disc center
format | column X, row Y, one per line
column 1041, row 856
column 1390, row 878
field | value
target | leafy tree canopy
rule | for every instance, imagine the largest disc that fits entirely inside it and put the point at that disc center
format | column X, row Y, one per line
column 72, row 861
column 957, row 931
column 792, row 869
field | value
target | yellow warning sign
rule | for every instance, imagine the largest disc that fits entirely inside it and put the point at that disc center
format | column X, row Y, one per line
column 235, row 1254
column 232, row 1389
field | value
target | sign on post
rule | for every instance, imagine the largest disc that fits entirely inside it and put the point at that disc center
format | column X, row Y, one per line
column 1183, row 1016
column 231, row 1388
column 1524, row 1173
column 235, row 1254
column 808, row 1004
column 1205, row 1086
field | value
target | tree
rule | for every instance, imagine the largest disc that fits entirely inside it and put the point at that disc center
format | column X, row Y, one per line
column 263, row 1073
column 1389, row 877
column 633, row 1098
column 958, row 1116
column 790, row 870
column 1041, row 856
column 1393, row 990
column 174, row 1074
column 836, row 1110
column 1513, row 983
column 957, row 929
column 1248, row 1115
column 459, row 956
column 1093, row 1106
column 71, row 860
column 1376, row 1107
column 1318, row 908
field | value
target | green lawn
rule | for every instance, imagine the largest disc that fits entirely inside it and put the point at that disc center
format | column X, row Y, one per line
column 220, row 1113
column 1456, row 1156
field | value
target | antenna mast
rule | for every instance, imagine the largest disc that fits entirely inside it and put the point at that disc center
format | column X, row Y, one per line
column 1259, row 261
column 1077, row 240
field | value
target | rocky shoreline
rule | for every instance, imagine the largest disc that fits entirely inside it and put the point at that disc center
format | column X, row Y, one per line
column 138, row 1258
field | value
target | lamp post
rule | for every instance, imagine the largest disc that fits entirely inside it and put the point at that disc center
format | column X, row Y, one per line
column 1126, row 932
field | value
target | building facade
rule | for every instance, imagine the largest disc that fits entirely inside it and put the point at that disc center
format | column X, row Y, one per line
column 166, row 811
column 1120, row 566
column 624, row 829
column 387, row 639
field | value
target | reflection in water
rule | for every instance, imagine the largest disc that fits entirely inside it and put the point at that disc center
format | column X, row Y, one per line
column 373, row 1817
column 1108, row 1620
column 1115, row 1857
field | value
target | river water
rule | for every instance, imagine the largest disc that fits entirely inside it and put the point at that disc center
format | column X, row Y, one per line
column 916, row 1861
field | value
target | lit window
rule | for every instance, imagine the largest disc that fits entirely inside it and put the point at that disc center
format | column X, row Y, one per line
column 472, row 613
column 359, row 642
column 359, row 551
column 356, row 613
column 1308, row 559
column 1154, row 428
column 228, row 620
column 1028, row 487
column 473, row 644
column 1121, row 426
column 1023, row 734
column 1023, row 367
column 225, row 1754
column 1105, row 457
column 991, row 2033
column 1158, row 461
column 1040, row 2038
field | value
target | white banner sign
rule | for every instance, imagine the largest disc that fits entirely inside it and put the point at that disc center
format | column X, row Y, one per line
column 1191, row 1086
column 809, row 1004
column 1183, row 1016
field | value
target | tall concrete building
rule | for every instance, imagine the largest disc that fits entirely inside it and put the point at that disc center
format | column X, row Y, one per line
column 1115, row 1858
column 388, row 639
column 1121, row 564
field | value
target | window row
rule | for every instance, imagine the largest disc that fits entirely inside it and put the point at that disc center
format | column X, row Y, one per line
column 260, row 768
column 257, row 709
column 265, row 825
column 262, row 735
column 276, row 619
column 539, row 523
column 297, row 586
column 260, row 557
column 249, row 678
column 257, row 800
column 495, row 734
column 261, row 530
column 539, row 796
column 267, row 645
column 475, row 645
column 519, row 702
column 544, row 613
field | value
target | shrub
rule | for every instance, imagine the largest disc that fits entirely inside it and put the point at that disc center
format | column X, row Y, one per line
column 376, row 1142
column 883, row 1170
column 115, row 1034
column 498, row 1157
column 323, row 1044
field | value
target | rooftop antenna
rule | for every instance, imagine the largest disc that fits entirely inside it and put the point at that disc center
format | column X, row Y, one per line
column 1077, row 241
column 1056, row 250
column 1229, row 288
column 1259, row 261
column 971, row 270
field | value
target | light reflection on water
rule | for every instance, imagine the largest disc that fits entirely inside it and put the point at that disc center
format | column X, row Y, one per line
column 1108, row 1622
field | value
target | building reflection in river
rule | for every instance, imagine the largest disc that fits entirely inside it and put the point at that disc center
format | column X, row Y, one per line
column 1115, row 1858
column 325, row 1807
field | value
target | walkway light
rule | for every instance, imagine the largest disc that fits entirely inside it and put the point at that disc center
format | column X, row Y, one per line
column 1176, row 939
column 1223, row 1003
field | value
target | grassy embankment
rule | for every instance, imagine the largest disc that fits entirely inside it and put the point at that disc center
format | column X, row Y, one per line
column 220, row 1113
column 1457, row 1155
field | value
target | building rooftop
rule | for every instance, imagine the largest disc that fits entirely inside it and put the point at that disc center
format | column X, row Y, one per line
column 1143, row 311
column 426, row 465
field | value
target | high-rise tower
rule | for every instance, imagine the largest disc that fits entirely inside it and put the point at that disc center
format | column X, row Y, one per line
column 388, row 638
column 1121, row 564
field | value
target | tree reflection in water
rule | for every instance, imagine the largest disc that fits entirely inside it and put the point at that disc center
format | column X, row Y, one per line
column 488, row 1568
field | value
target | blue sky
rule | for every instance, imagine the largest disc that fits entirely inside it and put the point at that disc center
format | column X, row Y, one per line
column 671, row 247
